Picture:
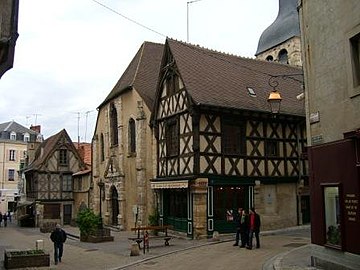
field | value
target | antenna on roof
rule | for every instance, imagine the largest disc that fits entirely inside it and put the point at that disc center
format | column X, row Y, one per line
column 86, row 119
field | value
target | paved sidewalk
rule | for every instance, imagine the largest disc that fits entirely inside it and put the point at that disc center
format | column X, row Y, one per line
column 281, row 250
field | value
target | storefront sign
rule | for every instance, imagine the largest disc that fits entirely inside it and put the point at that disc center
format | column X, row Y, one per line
column 351, row 206
column 170, row 184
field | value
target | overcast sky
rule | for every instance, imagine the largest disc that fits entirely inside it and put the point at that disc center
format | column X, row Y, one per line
column 70, row 54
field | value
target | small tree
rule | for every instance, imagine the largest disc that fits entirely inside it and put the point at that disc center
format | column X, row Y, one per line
column 88, row 222
column 154, row 218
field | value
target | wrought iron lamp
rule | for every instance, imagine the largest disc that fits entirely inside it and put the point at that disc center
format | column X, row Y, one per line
column 274, row 98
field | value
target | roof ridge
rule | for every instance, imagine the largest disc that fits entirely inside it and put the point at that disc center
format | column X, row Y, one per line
column 138, row 64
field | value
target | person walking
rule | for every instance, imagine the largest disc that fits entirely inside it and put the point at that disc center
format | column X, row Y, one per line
column 5, row 219
column 9, row 216
column 58, row 237
column 1, row 217
column 254, row 228
column 237, row 224
column 244, row 228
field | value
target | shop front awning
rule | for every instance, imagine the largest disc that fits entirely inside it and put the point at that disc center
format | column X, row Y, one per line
column 170, row 184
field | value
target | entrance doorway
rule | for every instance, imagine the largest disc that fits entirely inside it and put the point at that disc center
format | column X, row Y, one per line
column 114, row 206
column 67, row 214
column 227, row 199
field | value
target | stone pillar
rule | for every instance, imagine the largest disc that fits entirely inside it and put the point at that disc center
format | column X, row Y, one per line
column 141, row 148
column 199, row 192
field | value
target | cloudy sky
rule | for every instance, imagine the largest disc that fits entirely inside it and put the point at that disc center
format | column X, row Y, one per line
column 70, row 54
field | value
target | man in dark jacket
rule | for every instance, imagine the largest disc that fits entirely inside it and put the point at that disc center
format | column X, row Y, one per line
column 58, row 236
column 237, row 220
column 254, row 227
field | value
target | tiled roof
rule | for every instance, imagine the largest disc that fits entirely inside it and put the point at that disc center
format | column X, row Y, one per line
column 84, row 150
column 141, row 74
column 217, row 79
column 46, row 148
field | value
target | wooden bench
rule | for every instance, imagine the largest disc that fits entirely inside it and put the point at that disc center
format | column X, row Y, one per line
column 145, row 235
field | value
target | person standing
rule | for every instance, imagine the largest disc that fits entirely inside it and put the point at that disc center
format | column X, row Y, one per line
column 244, row 228
column 254, row 228
column 9, row 216
column 58, row 236
column 1, row 216
column 237, row 223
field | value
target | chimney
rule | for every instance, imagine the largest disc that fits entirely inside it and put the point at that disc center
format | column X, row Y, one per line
column 36, row 128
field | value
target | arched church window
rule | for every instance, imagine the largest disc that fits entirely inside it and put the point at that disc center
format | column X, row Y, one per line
column 283, row 56
column 269, row 58
column 132, row 136
column 113, row 125
column 102, row 147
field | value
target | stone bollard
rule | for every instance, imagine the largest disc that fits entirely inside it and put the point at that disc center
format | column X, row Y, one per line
column 135, row 251
column 39, row 245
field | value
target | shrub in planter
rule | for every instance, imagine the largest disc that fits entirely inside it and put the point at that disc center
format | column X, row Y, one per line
column 88, row 222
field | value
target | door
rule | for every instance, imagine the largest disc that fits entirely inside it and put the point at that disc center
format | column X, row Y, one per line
column 226, row 201
column 67, row 214
column 114, row 206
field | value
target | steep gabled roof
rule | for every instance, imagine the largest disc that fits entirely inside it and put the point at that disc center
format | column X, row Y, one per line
column 217, row 79
column 47, row 147
column 141, row 74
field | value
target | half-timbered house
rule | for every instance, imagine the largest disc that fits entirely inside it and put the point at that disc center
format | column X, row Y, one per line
column 218, row 145
column 49, row 180
column 123, row 143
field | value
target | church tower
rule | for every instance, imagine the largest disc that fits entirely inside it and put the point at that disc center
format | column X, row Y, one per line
column 280, row 42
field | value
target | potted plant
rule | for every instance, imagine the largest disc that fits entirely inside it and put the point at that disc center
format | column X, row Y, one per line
column 91, row 229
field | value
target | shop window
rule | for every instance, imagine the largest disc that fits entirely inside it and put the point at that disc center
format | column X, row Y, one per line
column 51, row 211
column 332, row 215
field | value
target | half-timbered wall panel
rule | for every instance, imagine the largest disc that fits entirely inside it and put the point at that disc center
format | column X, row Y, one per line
column 43, row 186
column 210, row 123
column 234, row 166
column 255, row 167
column 173, row 104
column 52, row 164
column 210, row 164
column 55, row 187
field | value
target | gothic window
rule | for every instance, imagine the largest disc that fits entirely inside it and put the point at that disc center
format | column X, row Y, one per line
column 233, row 137
column 63, row 159
column 172, row 137
column 132, row 136
column 269, row 58
column 113, row 125
column 102, row 147
column 283, row 56
column 355, row 56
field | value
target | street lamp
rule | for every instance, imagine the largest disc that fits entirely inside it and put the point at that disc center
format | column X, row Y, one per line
column 101, row 185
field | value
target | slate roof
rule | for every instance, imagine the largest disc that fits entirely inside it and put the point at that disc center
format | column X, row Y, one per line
column 217, row 79
column 141, row 74
column 16, row 127
column 285, row 26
